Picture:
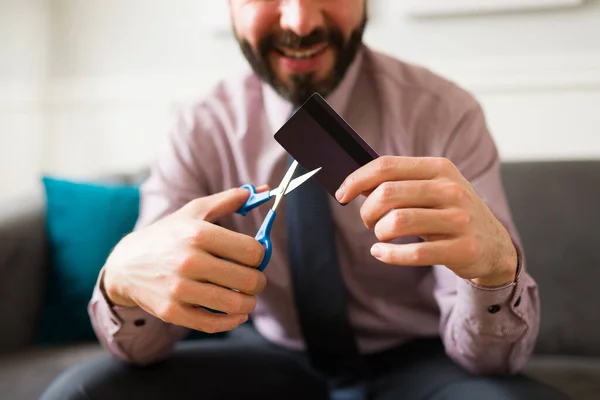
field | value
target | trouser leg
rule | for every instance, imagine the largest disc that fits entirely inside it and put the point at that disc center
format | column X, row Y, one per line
column 244, row 365
column 421, row 370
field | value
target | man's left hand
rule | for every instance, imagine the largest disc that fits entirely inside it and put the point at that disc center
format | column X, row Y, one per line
column 429, row 198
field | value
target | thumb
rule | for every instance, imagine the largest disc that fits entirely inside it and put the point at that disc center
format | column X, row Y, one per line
column 213, row 207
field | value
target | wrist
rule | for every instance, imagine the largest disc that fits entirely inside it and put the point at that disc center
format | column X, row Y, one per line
column 503, row 272
column 112, row 294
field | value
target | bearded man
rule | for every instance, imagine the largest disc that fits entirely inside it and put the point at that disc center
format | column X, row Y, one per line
column 425, row 294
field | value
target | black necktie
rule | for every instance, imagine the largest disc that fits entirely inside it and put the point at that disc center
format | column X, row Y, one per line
column 319, row 291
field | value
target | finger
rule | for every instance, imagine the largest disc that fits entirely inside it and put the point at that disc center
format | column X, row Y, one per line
column 213, row 207
column 214, row 297
column 199, row 319
column 263, row 188
column 228, row 244
column 392, row 168
column 409, row 194
column 443, row 252
column 420, row 222
column 208, row 268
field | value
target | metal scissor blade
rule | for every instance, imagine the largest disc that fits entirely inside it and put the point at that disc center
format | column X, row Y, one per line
column 295, row 183
column 300, row 180
column 285, row 183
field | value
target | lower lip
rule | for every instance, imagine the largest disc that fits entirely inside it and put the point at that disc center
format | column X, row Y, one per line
column 305, row 65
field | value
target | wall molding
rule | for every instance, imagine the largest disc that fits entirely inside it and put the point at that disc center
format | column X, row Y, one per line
column 483, row 76
column 523, row 73
column 443, row 8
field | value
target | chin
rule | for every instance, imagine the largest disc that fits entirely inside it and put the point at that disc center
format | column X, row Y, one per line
column 297, row 81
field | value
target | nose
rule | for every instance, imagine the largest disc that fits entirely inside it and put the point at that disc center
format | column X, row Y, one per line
column 301, row 16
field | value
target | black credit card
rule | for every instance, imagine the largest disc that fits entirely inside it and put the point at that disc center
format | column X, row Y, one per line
column 317, row 136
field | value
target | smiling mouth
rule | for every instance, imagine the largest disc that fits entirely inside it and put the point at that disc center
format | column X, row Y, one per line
column 302, row 54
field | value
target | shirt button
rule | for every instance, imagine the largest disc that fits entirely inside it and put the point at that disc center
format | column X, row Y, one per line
column 139, row 322
column 518, row 301
column 494, row 309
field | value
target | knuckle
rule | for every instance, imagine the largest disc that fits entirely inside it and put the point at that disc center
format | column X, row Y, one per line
column 185, row 264
column 261, row 283
column 384, row 163
column 176, row 288
column 365, row 213
column 250, row 305
column 383, row 194
column 254, row 252
column 461, row 219
column 418, row 255
column 200, row 234
column 210, row 292
column 251, row 283
column 243, row 304
column 444, row 164
column 233, row 303
column 167, row 311
column 453, row 191
column 350, row 181
column 386, row 190
column 211, row 326
column 401, row 219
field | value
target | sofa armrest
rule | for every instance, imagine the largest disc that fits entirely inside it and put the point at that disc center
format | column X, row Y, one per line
column 22, row 270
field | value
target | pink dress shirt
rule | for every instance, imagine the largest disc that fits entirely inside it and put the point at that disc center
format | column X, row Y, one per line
column 226, row 140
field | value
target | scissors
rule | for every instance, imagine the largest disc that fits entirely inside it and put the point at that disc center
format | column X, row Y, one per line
column 286, row 186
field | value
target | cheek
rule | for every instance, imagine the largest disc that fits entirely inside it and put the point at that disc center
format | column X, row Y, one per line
column 254, row 23
column 347, row 15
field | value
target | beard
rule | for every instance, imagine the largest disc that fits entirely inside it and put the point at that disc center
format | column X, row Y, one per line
column 302, row 85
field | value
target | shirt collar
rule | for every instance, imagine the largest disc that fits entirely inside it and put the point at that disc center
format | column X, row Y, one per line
column 278, row 109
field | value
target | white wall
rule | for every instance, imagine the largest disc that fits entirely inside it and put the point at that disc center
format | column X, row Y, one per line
column 24, row 47
column 88, row 86
column 536, row 73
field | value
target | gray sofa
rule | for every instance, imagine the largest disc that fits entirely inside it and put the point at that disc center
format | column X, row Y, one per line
column 556, row 206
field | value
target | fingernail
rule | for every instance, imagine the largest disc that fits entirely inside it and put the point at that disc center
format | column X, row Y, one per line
column 376, row 251
column 339, row 195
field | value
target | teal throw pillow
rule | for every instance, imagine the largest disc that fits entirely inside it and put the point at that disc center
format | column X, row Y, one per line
column 84, row 222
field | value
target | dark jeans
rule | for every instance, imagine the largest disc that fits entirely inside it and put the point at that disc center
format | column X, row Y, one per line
column 246, row 366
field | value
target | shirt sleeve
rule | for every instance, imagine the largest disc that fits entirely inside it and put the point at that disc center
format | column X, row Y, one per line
column 130, row 333
column 486, row 329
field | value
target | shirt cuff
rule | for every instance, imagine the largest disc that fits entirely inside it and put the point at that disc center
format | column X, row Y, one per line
column 490, row 305
column 112, row 320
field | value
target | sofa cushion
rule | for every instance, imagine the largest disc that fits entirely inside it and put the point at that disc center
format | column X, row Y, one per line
column 84, row 221
column 578, row 377
column 556, row 207
column 25, row 375
column 22, row 268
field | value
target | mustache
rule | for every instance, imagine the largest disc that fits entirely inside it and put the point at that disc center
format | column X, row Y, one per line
column 291, row 40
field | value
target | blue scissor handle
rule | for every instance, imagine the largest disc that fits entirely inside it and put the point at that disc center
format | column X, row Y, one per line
column 255, row 199
column 264, row 237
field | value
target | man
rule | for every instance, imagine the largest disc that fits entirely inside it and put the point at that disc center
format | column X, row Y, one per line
column 436, row 302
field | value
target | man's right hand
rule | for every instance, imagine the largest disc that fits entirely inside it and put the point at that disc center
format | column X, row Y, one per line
column 184, row 261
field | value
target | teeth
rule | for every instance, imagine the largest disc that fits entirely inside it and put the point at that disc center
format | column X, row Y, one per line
column 300, row 54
